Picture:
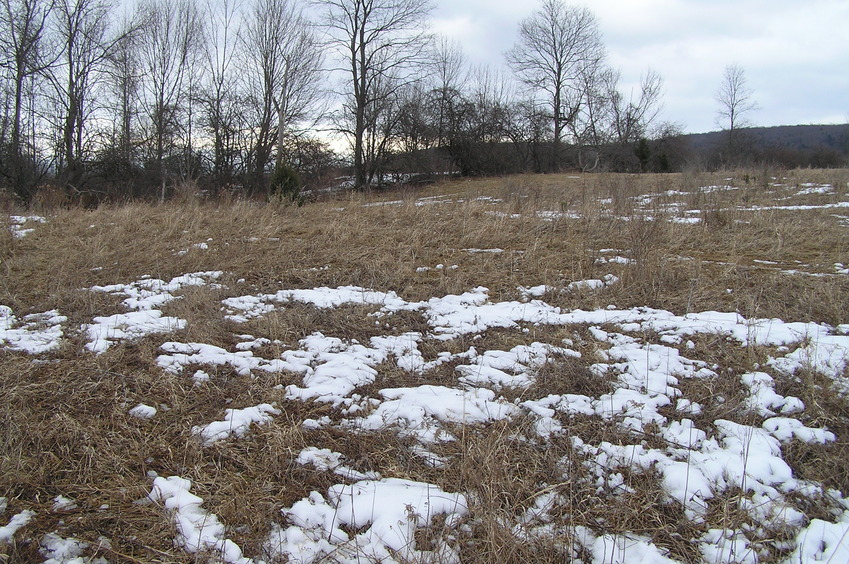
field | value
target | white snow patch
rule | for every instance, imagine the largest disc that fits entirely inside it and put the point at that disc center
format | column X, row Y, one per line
column 36, row 334
column 763, row 398
column 104, row 332
column 17, row 223
column 415, row 411
column 62, row 503
column 58, row 550
column 822, row 541
column 142, row 411
column 390, row 510
column 592, row 284
column 182, row 355
column 627, row 549
column 236, row 422
column 143, row 296
column 17, row 521
column 197, row 529
column 725, row 546
column 324, row 459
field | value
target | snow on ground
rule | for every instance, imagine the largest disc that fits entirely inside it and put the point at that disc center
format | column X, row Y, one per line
column 372, row 516
column 698, row 464
column 17, row 522
column 58, row 550
column 142, row 411
column 142, row 297
column 236, row 422
column 22, row 225
column 197, row 529
column 34, row 334
column 390, row 510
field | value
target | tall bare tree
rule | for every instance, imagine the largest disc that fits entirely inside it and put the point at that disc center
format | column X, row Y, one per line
column 735, row 99
column 379, row 42
column 450, row 69
column 84, row 27
column 633, row 115
column 170, row 49
column 25, row 56
column 221, row 97
column 283, row 61
column 559, row 46
column 123, row 81
column 736, row 102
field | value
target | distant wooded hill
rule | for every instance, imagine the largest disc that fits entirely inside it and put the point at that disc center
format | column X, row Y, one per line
column 790, row 145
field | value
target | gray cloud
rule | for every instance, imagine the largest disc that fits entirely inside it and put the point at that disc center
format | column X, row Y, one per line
column 795, row 54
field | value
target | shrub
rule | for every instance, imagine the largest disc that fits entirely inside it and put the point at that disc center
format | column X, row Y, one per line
column 286, row 184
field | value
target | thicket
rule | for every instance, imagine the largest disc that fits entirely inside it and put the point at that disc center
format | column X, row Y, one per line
column 215, row 97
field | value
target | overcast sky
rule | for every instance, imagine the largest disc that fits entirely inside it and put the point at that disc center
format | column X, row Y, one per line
column 795, row 54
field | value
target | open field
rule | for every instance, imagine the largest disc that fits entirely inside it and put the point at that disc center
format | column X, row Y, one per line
column 596, row 368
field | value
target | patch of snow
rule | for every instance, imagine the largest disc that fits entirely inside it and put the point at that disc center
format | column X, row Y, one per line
column 725, row 546
column 36, row 334
column 786, row 429
column 823, row 353
column 17, row 222
column 509, row 369
column 415, row 411
column 142, row 411
column 143, row 296
column 197, row 529
column 62, row 503
column 390, row 511
column 627, row 549
column 592, row 284
column 822, row 541
column 236, row 422
column 763, row 398
column 324, row 459
column 484, row 251
column 103, row 332
column 812, row 188
column 16, row 522
column 58, row 550
column 614, row 260
column 200, row 246
column 182, row 355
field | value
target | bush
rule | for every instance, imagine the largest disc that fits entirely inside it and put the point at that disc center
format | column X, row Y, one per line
column 286, row 184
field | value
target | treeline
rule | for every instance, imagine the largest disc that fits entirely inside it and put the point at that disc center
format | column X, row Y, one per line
column 104, row 104
column 256, row 96
column 789, row 146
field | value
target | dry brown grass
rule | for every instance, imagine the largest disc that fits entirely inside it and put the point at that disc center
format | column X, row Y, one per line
column 64, row 425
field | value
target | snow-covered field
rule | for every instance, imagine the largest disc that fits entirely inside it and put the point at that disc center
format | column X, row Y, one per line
column 699, row 437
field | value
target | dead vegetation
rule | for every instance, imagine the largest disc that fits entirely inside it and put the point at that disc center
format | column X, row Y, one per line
column 63, row 416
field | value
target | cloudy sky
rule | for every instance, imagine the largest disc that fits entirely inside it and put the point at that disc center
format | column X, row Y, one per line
column 795, row 54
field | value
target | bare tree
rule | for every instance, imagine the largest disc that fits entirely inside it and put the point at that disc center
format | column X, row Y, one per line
column 283, row 59
column 83, row 26
column 220, row 97
column 169, row 50
column 482, row 123
column 380, row 42
column 591, row 115
column 123, row 72
column 632, row 116
column 25, row 56
column 735, row 99
column 559, row 47
column 735, row 104
column 450, row 68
